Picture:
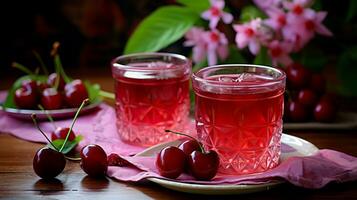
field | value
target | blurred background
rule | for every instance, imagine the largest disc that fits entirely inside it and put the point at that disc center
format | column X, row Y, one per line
column 92, row 32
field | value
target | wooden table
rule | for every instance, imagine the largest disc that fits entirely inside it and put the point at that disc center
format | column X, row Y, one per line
column 17, row 179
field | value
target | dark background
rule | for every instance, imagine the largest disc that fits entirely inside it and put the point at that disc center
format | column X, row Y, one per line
column 92, row 32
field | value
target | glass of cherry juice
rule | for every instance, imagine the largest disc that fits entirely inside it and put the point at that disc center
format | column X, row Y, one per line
column 152, row 94
column 238, row 112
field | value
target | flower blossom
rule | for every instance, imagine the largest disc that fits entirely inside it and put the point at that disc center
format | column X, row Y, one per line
column 194, row 38
column 279, row 52
column 215, row 13
column 248, row 34
column 217, row 43
column 207, row 44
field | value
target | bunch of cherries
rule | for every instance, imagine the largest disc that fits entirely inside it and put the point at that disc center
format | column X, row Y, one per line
column 189, row 157
column 50, row 162
column 306, row 98
column 50, row 95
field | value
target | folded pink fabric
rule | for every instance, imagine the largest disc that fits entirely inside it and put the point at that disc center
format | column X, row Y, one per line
column 309, row 172
column 99, row 128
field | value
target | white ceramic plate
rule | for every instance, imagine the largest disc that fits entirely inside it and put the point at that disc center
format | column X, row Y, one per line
column 302, row 148
column 56, row 114
column 345, row 120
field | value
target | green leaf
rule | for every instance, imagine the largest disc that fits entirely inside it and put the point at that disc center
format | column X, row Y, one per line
column 9, row 101
column 93, row 92
column 163, row 27
column 352, row 10
column 251, row 12
column 197, row 6
column 69, row 144
column 346, row 72
column 263, row 58
column 317, row 5
column 313, row 58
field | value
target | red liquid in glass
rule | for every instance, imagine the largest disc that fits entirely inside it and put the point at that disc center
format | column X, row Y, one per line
column 147, row 105
column 243, row 126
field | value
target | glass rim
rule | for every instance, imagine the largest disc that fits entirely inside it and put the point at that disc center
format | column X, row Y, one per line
column 197, row 78
column 116, row 65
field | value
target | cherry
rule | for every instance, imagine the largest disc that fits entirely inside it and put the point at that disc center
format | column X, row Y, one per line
column 297, row 111
column 61, row 133
column 25, row 97
column 48, row 163
column 75, row 93
column 42, row 86
column 189, row 146
column 203, row 166
column 29, row 84
column 52, row 78
column 307, row 97
column 94, row 160
column 325, row 110
column 51, row 99
column 297, row 76
column 171, row 162
column 318, row 83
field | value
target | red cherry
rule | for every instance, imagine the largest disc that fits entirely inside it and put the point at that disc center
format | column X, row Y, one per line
column 325, row 110
column 203, row 166
column 170, row 162
column 25, row 98
column 61, row 133
column 29, row 84
column 52, row 78
column 75, row 93
column 94, row 160
column 48, row 163
column 42, row 86
column 189, row 146
column 51, row 99
column 318, row 83
column 297, row 76
column 307, row 97
column 297, row 111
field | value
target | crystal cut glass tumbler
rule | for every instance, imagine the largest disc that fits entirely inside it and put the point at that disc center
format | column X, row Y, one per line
column 152, row 94
column 238, row 112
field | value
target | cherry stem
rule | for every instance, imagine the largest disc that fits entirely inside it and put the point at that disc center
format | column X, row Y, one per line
column 34, row 119
column 42, row 64
column 58, row 64
column 49, row 117
column 22, row 68
column 108, row 95
column 85, row 101
column 178, row 133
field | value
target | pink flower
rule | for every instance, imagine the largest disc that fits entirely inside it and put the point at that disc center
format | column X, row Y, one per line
column 217, row 43
column 207, row 44
column 248, row 34
column 277, row 19
column 303, row 28
column 194, row 38
column 279, row 52
column 215, row 13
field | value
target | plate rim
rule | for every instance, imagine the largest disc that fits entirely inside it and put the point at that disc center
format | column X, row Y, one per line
column 26, row 112
column 226, row 189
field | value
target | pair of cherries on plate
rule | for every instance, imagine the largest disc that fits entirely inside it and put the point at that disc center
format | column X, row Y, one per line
column 50, row 162
column 54, row 94
column 189, row 157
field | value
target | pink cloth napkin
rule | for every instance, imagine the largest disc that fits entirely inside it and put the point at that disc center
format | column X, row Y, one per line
column 309, row 172
column 99, row 128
